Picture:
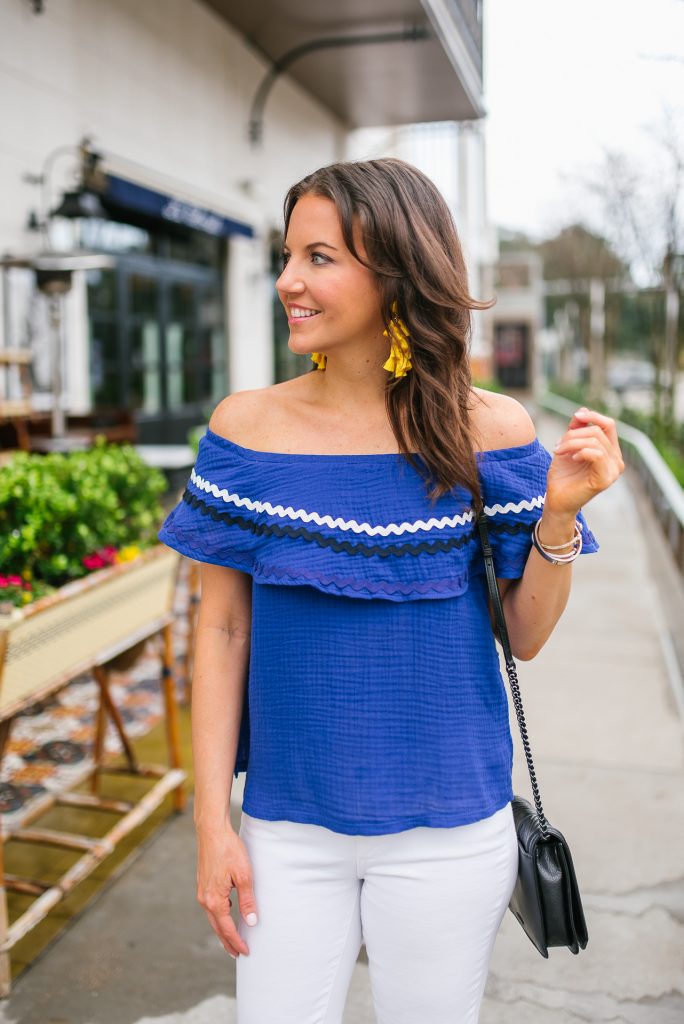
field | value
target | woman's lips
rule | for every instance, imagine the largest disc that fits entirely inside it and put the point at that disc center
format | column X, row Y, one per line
column 302, row 320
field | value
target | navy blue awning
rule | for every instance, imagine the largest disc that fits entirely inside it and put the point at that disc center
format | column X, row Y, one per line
column 128, row 195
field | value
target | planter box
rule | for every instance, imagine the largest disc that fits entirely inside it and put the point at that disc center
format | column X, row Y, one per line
column 84, row 623
column 97, row 624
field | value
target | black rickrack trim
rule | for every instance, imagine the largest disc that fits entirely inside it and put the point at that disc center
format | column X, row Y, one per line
column 302, row 533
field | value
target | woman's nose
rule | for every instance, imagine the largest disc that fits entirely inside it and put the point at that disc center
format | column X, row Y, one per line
column 289, row 281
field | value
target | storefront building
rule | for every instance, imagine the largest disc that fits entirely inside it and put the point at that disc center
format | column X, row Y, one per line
column 135, row 131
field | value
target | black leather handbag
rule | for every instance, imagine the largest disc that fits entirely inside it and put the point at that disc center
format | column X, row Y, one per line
column 546, row 899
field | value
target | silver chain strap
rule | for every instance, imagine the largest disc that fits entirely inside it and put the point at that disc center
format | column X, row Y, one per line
column 511, row 670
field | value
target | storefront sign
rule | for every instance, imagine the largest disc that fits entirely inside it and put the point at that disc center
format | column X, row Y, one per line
column 129, row 195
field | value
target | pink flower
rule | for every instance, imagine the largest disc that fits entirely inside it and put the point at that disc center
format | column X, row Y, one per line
column 93, row 562
column 3, row 581
column 107, row 554
column 14, row 581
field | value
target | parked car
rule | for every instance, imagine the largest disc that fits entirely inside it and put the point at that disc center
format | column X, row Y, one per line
column 625, row 374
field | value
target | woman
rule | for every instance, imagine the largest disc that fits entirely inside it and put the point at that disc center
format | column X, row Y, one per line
column 345, row 655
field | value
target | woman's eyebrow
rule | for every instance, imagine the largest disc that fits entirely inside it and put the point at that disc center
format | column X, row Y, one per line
column 317, row 245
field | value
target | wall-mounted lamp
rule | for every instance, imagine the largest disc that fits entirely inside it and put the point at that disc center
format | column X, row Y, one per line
column 82, row 201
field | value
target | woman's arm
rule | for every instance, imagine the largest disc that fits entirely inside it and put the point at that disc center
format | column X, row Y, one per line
column 221, row 661
column 218, row 685
column 586, row 461
column 534, row 603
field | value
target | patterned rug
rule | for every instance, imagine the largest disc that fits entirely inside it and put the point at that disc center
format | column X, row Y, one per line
column 50, row 746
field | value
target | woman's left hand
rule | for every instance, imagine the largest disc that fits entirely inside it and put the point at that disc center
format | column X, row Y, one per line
column 586, row 461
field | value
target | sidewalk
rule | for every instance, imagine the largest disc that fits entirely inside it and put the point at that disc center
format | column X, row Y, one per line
column 607, row 737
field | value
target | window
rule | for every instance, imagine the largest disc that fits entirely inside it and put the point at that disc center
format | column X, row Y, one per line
column 157, row 343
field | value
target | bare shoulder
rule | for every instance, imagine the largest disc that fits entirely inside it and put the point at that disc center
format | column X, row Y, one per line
column 501, row 421
column 250, row 417
column 238, row 414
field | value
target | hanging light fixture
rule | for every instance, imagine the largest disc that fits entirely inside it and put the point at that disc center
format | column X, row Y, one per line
column 82, row 202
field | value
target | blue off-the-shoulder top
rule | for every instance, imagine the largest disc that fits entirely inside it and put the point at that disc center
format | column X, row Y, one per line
column 375, row 701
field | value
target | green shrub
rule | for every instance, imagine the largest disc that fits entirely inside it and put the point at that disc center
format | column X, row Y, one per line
column 194, row 435
column 488, row 385
column 675, row 460
column 577, row 393
column 57, row 509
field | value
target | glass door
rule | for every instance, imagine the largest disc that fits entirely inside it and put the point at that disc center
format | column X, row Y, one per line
column 143, row 344
column 158, row 344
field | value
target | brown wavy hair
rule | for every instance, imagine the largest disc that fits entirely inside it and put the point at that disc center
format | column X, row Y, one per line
column 412, row 246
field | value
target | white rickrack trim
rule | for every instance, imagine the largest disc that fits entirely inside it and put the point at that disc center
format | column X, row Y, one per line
column 337, row 523
column 511, row 506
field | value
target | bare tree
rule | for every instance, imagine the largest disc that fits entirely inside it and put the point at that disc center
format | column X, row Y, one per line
column 642, row 210
column 576, row 253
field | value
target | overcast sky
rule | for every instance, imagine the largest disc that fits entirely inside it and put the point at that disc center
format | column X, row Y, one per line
column 561, row 81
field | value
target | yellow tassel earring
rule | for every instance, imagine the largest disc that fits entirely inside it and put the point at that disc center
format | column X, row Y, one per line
column 400, row 357
column 319, row 359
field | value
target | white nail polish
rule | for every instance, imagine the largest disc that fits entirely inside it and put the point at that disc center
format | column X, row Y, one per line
column 251, row 919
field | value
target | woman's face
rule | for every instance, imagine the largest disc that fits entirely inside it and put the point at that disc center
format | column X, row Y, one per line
column 330, row 298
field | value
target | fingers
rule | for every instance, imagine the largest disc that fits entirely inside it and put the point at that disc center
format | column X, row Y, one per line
column 589, row 454
column 576, row 445
column 595, row 450
column 216, row 902
column 605, row 468
column 592, row 434
column 223, row 864
column 217, row 907
column 590, row 423
column 605, row 423
column 246, row 900
column 224, row 926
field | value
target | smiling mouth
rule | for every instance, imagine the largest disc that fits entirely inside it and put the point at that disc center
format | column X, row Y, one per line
column 299, row 313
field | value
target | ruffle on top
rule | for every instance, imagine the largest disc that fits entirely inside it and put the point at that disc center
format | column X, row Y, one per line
column 356, row 525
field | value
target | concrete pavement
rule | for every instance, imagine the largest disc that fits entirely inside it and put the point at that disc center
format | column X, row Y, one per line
column 605, row 724
column 606, row 729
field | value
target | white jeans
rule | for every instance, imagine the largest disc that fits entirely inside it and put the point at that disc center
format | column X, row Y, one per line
column 427, row 903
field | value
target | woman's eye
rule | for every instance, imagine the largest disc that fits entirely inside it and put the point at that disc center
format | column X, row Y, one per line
column 317, row 258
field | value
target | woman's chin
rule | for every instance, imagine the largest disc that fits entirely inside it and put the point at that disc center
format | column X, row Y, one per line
column 298, row 349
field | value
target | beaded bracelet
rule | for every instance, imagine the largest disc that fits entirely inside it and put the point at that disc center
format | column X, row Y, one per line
column 558, row 559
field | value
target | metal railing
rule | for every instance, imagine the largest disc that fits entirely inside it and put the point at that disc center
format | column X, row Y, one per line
column 660, row 484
